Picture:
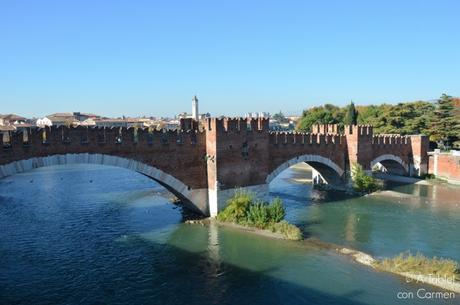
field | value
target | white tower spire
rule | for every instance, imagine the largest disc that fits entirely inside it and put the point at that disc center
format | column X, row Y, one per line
column 195, row 108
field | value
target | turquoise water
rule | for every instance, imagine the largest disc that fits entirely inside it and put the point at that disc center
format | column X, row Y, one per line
column 103, row 235
column 379, row 225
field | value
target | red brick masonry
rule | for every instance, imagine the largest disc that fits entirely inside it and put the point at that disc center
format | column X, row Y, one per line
column 445, row 165
column 228, row 153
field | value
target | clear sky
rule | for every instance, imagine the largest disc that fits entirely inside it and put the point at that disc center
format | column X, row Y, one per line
column 150, row 57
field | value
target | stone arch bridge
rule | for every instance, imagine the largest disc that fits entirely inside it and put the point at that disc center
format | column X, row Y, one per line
column 203, row 166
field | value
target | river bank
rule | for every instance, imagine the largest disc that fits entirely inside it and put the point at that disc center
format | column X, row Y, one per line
column 252, row 230
column 355, row 255
column 403, row 179
column 437, row 281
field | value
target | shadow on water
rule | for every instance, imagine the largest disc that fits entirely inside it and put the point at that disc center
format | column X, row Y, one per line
column 194, row 279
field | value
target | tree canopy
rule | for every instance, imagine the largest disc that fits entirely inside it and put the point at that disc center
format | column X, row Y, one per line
column 445, row 125
column 351, row 116
column 327, row 114
column 280, row 117
column 440, row 120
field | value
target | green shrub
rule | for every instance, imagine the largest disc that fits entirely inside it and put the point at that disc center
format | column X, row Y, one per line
column 419, row 264
column 258, row 214
column 237, row 207
column 245, row 210
column 363, row 182
column 277, row 211
column 288, row 230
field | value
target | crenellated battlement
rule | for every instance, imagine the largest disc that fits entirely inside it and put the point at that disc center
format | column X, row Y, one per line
column 381, row 140
column 359, row 130
column 82, row 135
column 236, row 124
column 306, row 138
column 325, row 128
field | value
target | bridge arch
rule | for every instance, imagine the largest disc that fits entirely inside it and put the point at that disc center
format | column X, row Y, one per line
column 392, row 164
column 329, row 170
column 193, row 199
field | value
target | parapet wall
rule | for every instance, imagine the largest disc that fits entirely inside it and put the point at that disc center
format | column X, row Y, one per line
column 380, row 140
column 99, row 135
column 362, row 130
column 325, row 128
column 237, row 124
column 306, row 138
column 359, row 130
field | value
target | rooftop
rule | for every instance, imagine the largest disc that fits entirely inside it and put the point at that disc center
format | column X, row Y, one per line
column 12, row 117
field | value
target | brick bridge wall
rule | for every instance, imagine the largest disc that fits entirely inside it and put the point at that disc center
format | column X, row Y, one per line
column 445, row 165
column 205, row 167
column 176, row 154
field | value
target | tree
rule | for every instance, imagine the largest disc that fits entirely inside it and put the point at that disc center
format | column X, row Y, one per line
column 280, row 117
column 445, row 126
column 351, row 117
column 440, row 121
column 403, row 118
column 327, row 114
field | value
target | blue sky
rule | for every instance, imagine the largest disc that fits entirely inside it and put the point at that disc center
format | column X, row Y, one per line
column 150, row 57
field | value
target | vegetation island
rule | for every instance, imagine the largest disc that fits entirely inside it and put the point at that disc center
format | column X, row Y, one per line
column 246, row 210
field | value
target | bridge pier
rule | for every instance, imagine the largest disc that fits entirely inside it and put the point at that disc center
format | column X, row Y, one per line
column 218, row 198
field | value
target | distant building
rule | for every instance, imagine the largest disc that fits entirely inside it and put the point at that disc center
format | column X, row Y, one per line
column 204, row 116
column 171, row 124
column 256, row 115
column 43, row 122
column 11, row 119
column 88, row 122
column 281, row 126
column 183, row 115
column 124, row 122
column 71, row 118
column 62, row 119
column 293, row 118
column 195, row 112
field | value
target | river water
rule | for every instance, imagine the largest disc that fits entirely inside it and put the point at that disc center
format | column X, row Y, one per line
column 86, row 234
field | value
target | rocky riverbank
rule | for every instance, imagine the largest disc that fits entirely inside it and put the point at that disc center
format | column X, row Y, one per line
column 439, row 281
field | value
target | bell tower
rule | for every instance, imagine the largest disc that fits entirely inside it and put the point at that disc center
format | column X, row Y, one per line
column 195, row 113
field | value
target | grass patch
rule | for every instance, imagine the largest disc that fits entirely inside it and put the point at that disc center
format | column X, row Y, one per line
column 289, row 230
column 420, row 265
column 245, row 209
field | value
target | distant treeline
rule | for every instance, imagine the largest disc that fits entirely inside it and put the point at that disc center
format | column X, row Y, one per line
column 439, row 120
